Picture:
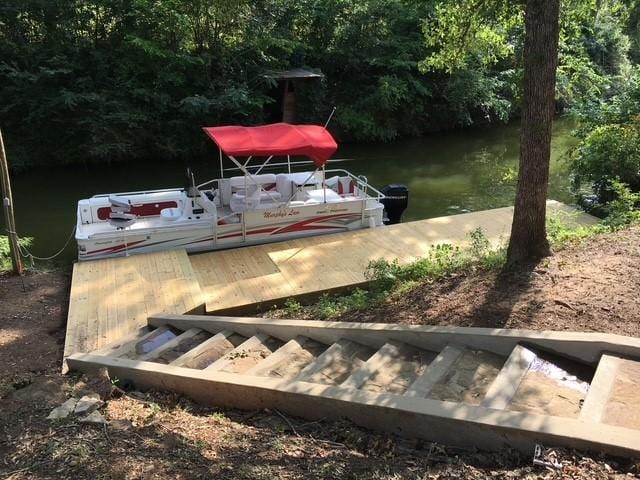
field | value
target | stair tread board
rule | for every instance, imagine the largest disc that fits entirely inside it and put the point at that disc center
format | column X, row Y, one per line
column 508, row 380
column 290, row 359
column 436, row 370
column 209, row 351
column 397, row 372
column 469, row 377
column 623, row 407
column 614, row 395
column 552, row 386
column 247, row 355
column 155, row 339
column 182, row 347
column 125, row 343
column 336, row 363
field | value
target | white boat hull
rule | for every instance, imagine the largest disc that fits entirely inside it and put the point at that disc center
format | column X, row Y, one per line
column 257, row 227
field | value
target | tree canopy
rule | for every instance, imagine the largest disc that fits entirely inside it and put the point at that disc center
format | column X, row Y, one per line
column 104, row 80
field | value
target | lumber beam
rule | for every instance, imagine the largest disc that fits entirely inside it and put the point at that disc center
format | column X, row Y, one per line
column 506, row 384
column 599, row 392
column 435, row 371
column 583, row 347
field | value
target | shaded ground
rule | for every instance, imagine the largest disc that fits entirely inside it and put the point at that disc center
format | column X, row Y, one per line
column 593, row 286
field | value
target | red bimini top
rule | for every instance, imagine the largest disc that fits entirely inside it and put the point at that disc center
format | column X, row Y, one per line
column 276, row 139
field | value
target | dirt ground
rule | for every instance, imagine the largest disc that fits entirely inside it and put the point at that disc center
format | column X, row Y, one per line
column 593, row 286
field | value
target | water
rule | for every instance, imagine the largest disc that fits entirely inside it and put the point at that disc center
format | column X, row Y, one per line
column 446, row 174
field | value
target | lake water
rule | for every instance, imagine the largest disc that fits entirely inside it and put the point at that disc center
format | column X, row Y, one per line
column 447, row 173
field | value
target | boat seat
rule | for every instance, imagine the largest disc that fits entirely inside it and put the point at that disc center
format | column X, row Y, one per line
column 346, row 186
column 171, row 214
column 207, row 203
column 320, row 194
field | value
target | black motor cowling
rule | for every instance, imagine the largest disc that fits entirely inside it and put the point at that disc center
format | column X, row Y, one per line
column 395, row 201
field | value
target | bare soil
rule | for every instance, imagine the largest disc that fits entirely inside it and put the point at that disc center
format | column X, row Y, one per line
column 592, row 286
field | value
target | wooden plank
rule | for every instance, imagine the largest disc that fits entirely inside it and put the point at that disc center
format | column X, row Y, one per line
column 323, row 360
column 336, row 363
column 112, row 298
column 599, row 392
column 505, row 385
column 435, row 371
column 277, row 356
column 249, row 344
column 583, row 347
column 194, row 352
column 433, row 420
column 155, row 353
column 386, row 353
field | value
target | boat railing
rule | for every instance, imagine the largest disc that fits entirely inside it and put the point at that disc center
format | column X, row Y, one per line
column 210, row 182
column 145, row 192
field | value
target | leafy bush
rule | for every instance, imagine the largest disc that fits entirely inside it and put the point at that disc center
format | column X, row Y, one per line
column 609, row 152
column 98, row 81
column 5, row 251
column 623, row 209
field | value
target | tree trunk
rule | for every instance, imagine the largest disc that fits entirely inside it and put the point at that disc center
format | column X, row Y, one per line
column 528, row 234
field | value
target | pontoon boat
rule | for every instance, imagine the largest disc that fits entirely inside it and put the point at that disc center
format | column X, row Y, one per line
column 253, row 208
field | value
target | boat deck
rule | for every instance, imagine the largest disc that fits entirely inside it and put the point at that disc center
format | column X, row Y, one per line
column 112, row 298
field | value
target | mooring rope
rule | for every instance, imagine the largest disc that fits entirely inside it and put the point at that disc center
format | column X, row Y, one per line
column 24, row 251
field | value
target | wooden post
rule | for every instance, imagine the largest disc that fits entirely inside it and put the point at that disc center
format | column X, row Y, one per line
column 7, row 203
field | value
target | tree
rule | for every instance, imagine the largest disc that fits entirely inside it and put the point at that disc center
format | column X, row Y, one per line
column 528, row 233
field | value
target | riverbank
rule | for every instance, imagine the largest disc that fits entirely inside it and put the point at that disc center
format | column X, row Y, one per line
column 588, row 286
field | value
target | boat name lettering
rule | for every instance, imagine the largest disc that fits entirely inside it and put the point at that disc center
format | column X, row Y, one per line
column 281, row 213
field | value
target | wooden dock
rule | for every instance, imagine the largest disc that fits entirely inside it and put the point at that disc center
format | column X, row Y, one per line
column 114, row 297
column 233, row 280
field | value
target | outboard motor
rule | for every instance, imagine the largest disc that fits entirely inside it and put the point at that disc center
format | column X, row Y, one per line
column 395, row 201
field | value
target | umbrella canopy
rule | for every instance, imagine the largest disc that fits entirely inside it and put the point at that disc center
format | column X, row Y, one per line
column 276, row 139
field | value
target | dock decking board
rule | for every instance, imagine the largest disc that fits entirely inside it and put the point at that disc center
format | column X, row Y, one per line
column 112, row 298
column 316, row 264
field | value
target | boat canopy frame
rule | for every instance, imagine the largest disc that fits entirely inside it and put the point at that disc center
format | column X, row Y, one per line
column 312, row 141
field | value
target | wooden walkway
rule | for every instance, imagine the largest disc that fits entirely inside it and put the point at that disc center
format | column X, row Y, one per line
column 113, row 298
column 233, row 280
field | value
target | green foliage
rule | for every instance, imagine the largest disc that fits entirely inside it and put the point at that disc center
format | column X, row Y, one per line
column 100, row 81
column 609, row 152
column 292, row 306
column 560, row 233
column 624, row 208
column 622, row 211
column 5, row 251
column 609, row 148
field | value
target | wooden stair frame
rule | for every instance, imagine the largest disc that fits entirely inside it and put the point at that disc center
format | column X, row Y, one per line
column 410, row 414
